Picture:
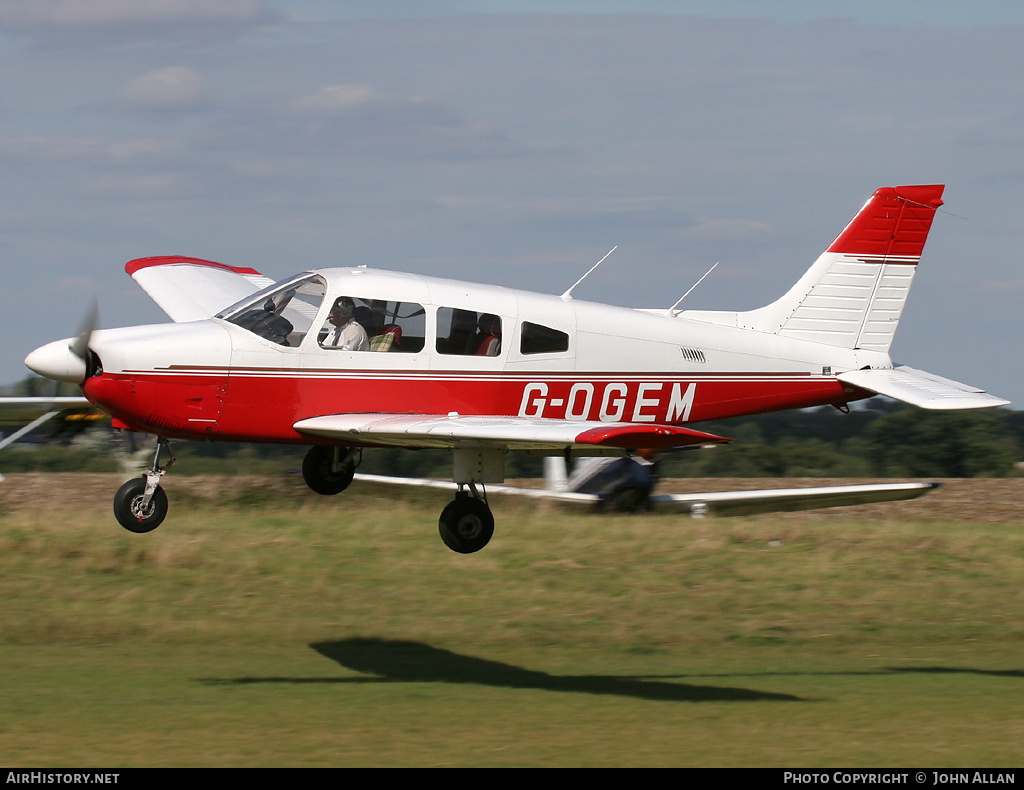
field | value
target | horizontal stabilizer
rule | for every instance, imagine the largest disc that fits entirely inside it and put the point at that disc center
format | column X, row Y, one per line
column 743, row 503
column 513, row 433
column 921, row 389
column 190, row 289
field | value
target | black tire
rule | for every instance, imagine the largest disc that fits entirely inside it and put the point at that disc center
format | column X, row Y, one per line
column 466, row 525
column 128, row 511
column 317, row 472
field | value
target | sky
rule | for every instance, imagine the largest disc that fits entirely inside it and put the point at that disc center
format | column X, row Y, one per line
column 514, row 143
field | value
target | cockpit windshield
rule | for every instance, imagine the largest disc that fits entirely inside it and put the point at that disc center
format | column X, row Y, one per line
column 282, row 312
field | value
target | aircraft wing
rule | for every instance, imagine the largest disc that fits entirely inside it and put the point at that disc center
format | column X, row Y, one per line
column 190, row 289
column 447, row 485
column 720, row 503
column 513, row 433
column 925, row 390
column 743, row 503
column 62, row 402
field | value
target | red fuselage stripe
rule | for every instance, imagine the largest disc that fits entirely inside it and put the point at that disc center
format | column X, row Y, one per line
column 249, row 406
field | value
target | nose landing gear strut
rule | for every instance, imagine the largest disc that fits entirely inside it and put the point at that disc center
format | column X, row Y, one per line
column 140, row 505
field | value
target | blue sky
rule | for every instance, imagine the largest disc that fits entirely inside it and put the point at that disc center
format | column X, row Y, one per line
column 500, row 142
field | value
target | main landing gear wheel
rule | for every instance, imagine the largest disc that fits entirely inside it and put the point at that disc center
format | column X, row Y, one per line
column 466, row 524
column 328, row 470
column 132, row 510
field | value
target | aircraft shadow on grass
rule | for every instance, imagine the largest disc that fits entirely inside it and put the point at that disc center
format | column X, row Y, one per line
column 995, row 673
column 396, row 661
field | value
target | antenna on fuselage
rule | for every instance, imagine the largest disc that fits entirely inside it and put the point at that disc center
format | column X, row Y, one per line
column 568, row 294
column 671, row 312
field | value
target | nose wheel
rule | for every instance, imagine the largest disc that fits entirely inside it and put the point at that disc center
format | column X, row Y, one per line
column 466, row 524
column 140, row 505
column 138, row 510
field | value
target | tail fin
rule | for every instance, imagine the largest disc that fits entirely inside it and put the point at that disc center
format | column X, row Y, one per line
column 853, row 295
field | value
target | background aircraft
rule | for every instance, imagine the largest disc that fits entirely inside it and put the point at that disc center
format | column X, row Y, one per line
column 32, row 412
column 483, row 370
column 627, row 484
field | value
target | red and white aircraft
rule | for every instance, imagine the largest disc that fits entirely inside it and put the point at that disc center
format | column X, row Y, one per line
column 345, row 358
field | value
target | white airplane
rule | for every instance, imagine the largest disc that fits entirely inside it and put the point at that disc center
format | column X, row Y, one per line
column 346, row 358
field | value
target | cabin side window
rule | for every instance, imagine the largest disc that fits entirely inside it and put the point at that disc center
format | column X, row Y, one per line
column 538, row 339
column 281, row 314
column 362, row 324
column 468, row 333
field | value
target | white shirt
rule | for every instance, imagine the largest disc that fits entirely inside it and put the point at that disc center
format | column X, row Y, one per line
column 350, row 337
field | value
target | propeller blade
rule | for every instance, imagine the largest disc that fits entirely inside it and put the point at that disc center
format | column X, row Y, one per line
column 80, row 348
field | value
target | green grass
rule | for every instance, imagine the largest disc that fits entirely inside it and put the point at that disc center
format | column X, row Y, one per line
column 261, row 629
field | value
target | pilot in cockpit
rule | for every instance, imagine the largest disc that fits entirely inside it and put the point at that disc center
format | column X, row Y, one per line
column 344, row 331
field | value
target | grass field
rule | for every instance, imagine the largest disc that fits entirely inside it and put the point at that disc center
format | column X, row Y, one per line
column 264, row 626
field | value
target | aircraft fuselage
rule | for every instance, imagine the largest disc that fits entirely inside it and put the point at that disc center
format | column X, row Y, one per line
column 553, row 359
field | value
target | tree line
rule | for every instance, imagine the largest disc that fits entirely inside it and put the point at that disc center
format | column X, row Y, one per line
column 886, row 440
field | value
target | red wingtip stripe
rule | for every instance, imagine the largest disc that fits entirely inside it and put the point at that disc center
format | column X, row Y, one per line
column 652, row 436
column 895, row 221
column 169, row 260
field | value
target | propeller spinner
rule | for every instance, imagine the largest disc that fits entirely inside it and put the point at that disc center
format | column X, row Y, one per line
column 68, row 359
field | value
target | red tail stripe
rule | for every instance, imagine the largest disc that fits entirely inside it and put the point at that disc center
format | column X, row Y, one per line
column 895, row 221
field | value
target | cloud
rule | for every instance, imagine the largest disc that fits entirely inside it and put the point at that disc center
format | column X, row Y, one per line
column 335, row 98
column 83, row 13
column 716, row 229
column 149, row 186
column 356, row 120
column 89, row 21
column 36, row 150
column 174, row 88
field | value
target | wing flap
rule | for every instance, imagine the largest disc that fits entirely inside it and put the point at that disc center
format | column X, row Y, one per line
column 190, row 289
column 513, row 433
column 925, row 390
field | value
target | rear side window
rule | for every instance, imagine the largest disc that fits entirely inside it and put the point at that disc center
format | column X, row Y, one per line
column 468, row 333
column 538, row 339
